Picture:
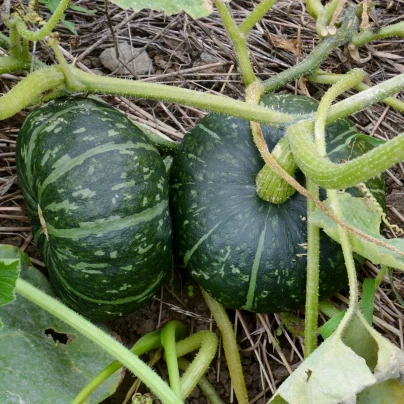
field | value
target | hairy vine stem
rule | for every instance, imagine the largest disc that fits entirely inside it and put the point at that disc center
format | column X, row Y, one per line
column 46, row 29
column 256, row 15
column 239, row 42
column 318, row 54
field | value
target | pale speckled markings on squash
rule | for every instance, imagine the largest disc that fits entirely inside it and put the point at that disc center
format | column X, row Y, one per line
column 66, row 163
column 254, row 271
column 189, row 253
column 109, row 224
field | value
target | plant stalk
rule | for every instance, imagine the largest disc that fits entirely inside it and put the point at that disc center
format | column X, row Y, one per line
column 335, row 176
column 45, row 29
column 361, row 101
column 230, row 347
column 207, row 343
column 313, row 275
column 370, row 34
column 12, row 64
column 105, row 341
column 314, row 7
column 332, row 78
column 239, row 41
column 317, row 56
column 256, row 15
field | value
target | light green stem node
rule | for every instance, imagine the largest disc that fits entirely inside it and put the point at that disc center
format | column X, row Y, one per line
column 335, row 176
column 72, row 83
column 324, row 18
column 46, row 29
column 270, row 186
column 256, row 15
column 105, row 341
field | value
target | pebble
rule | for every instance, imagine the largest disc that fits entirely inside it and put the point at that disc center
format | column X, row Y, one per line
column 136, row 63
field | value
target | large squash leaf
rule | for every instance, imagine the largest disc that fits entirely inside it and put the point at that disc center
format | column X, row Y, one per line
column 364, row 216
column 195, row 8
column 42, row 360
column 352, row 364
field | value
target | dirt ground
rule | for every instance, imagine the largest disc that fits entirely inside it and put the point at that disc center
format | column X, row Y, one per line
column 196, row 54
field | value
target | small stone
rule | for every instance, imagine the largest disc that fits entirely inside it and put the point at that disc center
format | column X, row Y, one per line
column 134, row 61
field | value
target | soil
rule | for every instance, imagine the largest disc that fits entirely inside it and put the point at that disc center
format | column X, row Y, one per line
column 179, row 43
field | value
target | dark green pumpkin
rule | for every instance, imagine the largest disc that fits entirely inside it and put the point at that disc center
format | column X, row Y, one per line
column 102, row 191
column 246, row 252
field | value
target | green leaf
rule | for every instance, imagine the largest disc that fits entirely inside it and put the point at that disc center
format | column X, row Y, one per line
column 368, row 299
column 82, row 9
column 11, row 261
column 195, row 8
column 36, row 369
column 388, row 392
column 369, row 139
column 331, row 325
column 365, row 217
column 343, row 367
column 51, row 5
column 332, row 374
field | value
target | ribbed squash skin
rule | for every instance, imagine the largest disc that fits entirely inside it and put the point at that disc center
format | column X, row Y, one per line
column 246, row 252
column 103, row 193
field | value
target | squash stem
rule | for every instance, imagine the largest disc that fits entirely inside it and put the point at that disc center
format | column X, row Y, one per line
column 161, row 92
column 326, row 15
column 174, row 330
column 314, row 7
column 206, row 342
column 168, row 342
column 316, row 57
column 336, row 176
column 12, row 64
column 359, row 102
column 313, row 275
column 256, row 15
column 230, row 347
column 4, row 41
column 105, row 341
column 29, row 90
column 46, row 29
column 239, row 41
column 352, row 78
column 370, row 34
column 203, row 384
column 332, row 78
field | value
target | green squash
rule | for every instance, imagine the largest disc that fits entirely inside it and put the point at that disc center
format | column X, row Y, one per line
column 96, row 192
column 246, row 252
